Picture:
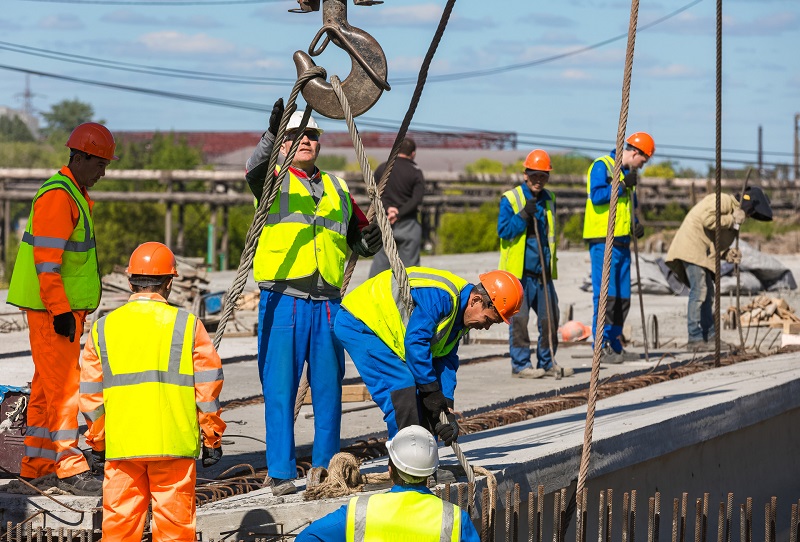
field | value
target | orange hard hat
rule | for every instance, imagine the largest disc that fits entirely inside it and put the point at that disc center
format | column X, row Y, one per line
column 505, row 291
column 574, row 331
column 642, row 141
column 538, row 160
column 152, row 258
column 93, row 138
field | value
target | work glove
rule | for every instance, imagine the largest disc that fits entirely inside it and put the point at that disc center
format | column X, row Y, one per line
column 448, row 432
column 530, row 207
column 738, row 217
column 211, row 456
column 631, row 179
column 734, row 256
column 434, row 402
column 371, row 238
column 275, row 117
column 98, row 460
column 64, row 324
column 638, row 230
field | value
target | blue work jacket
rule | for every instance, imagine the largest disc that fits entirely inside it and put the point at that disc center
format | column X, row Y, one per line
column 511, row 225
column 600, row 188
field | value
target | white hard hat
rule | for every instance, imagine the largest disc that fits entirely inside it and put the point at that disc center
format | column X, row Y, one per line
column 413, row 451
column 294, row 122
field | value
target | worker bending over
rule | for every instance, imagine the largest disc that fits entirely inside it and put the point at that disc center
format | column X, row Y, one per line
column 408, row 360
column 691, row 255
column 525, row 211
column 150, row 386
column 638, row 150
column 299, row 267
column 57, row 282
column 409, row 511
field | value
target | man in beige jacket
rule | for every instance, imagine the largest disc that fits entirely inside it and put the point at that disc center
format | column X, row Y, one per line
column 691, row 254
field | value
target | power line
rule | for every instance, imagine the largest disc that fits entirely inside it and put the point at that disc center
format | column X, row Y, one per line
column 512, row 67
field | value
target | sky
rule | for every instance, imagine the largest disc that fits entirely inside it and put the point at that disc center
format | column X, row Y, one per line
column 555, row 77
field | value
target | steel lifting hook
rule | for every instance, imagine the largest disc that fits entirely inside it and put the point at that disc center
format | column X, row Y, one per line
column 367, row 78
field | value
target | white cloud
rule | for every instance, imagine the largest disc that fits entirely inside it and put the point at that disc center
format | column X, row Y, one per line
column 672, row 71
column 575, row 75
column 123, row 16
column 547, row 19
column 170, row 41
column 405, row 64
column 61, row 22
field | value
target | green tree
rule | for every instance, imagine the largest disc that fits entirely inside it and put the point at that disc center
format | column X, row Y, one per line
column 570, row 164
column 470, row 231
column 665, row 170
column 65, row 115
column 13, row 129
column 331, row 162
column 32, row 155
column 485, row 165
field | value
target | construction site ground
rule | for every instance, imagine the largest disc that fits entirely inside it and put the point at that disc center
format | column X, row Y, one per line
column 484, row 378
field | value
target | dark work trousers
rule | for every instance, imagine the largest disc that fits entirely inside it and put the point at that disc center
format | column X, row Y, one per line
column 408, row 236
column 519, row 339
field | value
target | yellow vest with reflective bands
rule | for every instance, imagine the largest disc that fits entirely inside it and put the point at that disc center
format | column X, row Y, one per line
column 377, row 304
column 301, row 236
column 145, row 348
column 78, row 269
column 595, row 220
column 512, row 252
column 402, row 516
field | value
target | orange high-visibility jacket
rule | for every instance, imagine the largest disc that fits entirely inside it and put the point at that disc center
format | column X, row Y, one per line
column 206, row 361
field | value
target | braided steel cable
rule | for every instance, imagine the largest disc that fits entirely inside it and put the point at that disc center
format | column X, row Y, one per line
column 612, row 215
column 718, row 188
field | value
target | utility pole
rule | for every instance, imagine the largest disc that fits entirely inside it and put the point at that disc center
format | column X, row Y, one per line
column 760, row 152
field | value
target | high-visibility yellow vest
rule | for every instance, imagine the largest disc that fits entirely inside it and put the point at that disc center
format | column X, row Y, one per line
column 402, row 516
column 377, row 304
column 79, row 268
column 145, row 348
column 301, row 236
column 595, row 220
column 512, row 252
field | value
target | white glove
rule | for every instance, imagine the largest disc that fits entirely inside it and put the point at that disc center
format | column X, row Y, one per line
column 738, row 218
column 734, row 256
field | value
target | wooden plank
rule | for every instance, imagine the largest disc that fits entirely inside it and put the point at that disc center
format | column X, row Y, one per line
column 351, row 393
column 791, row 328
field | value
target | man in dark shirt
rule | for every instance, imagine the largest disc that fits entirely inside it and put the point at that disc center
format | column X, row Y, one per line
column 401, row 199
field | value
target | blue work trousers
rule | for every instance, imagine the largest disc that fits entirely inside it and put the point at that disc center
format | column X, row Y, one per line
column 387, row 377
column 619, row 291
column 700, row 314
column 518, row 337
column 291, row 332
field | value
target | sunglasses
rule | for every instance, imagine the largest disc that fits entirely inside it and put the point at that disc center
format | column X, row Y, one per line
column 312, row 135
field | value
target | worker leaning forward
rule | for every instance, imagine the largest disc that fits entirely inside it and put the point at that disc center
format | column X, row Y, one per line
column 409, row 511
column 150, row 385
column 57, row 282
column 408, row 361
column 638, row 150
column 525, row 211
column 299, row 266
column 691, row 255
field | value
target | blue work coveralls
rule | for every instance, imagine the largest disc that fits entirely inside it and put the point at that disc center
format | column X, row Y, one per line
column 509, row 226
column 392, row 382
column 333, row 527
column 619, row 286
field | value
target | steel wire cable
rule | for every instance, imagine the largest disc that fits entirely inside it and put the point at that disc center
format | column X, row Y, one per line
column 718, row 188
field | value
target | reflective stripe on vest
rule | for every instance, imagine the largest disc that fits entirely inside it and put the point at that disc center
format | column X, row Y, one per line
column 385, row 518
column 301, row 236
column 377, row 303
column 512, row 252
column 145, row 348
column 595, row 220
column 78, row 267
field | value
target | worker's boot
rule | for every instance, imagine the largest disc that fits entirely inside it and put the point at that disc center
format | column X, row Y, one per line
column 529, row 372
column 607, row 355
column 282, row 487
column 558, row 371
column 83, row 484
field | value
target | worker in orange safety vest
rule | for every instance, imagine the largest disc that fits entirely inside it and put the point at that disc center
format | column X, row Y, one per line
column 56, row 281
column 150, row 385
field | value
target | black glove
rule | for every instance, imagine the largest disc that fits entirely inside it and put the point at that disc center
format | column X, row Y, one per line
column 530, row 207
column 434, row 402
column 638, row 230
column 631, row 179
column 211, row 456
column 64, row 324
column 275, row 117
column 98, row 460
column 371, row 237
column 448, row 432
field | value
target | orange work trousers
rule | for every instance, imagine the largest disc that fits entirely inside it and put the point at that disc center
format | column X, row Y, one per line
column 51, row 440
column 129, row 485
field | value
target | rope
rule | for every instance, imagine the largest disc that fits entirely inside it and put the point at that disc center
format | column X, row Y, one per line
column 612, row 215
column 546, row 280
column 718, row 189
column 736, row 269
column 639, row 278
column 264, row 204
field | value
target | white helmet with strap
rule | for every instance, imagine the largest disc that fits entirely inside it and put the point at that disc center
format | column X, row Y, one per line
column 414, row 453
column 294, row 122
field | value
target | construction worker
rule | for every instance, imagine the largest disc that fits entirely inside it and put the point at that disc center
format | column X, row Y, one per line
column 691, row 254
column 638, row 150
column 150, row 385
column 57, row 282
column 299, row 267
column 527, row 230
column 408, row 361
column 409, row 511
